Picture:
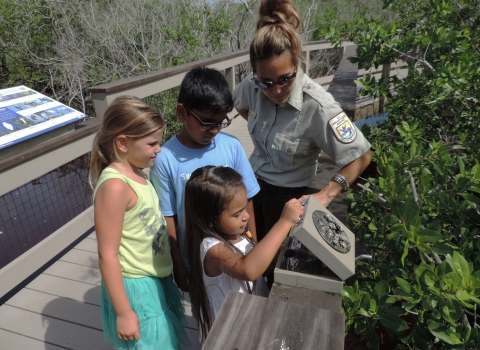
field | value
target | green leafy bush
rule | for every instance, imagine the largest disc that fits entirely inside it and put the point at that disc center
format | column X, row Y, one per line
column 419, row 217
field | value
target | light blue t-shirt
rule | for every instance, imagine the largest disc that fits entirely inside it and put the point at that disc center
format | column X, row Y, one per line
column 176, row 162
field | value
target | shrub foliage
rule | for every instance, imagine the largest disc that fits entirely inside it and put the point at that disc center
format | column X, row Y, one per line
column 420, row 217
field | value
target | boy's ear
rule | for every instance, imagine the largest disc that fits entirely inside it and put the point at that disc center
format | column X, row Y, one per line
column 181, row 112
column 122, row 143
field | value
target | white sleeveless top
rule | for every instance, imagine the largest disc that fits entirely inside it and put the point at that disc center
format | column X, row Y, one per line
column 217, row 287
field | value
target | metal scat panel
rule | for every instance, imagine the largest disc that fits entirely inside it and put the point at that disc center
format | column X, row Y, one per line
column 326, row 237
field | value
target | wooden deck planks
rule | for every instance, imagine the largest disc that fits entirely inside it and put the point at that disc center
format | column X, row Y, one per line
column 88, row 244
column 239, row 129
column 81, row 257
column 93, row 235
column 58, row 307
column 76, row 272
column 50, row 330
column 66, row 288
column 14, row 341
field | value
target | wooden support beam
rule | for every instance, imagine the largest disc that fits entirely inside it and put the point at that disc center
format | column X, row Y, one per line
column 343, row 87
column 230, row 76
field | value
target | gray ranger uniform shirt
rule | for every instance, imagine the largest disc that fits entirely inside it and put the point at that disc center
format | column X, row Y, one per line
column 288, row 138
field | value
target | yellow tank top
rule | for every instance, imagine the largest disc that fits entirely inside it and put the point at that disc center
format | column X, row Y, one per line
column 144, row 248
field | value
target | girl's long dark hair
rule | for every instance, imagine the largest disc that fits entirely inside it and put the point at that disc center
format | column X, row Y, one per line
column 208, row 193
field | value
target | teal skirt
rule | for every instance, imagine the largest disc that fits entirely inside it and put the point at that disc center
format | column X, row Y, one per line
column 158, row 304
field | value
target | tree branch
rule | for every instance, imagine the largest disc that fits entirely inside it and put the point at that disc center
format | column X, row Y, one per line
column 411, row 57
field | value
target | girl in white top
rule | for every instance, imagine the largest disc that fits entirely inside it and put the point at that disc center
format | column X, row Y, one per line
column 221, row 252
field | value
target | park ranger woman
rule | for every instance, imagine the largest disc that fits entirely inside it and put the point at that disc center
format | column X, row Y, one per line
column 291, row 119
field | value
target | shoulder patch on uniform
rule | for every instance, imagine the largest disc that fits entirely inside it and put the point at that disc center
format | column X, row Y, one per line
column 252, row 114
column 343, row 128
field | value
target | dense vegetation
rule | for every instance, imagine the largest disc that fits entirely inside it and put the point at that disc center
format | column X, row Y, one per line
column 61, row 47
column 418, row 216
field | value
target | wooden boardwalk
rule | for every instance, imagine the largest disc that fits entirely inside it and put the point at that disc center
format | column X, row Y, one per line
column 60, row 309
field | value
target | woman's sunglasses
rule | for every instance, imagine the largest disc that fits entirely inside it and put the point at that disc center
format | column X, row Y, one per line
column 283, row 81
column 208, row 126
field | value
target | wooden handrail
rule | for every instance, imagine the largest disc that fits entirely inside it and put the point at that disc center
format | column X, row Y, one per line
column 130, row 82
column 93, row 125
column 102, row 95
column 148, row 84
column 32, row 163
column 160, row 75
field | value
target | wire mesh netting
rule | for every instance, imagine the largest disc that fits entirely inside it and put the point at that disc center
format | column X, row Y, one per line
column 32, row 212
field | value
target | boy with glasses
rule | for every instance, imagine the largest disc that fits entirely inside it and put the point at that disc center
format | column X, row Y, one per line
column 203, row 103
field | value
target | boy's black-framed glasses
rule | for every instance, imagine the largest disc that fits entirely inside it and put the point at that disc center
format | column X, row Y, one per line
column 283, row 81
column 208, row 126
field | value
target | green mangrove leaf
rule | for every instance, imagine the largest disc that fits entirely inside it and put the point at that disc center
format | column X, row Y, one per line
column 405, row 252
column 453, row 281
column 381, row 289
column 462, row 295
column 424, row 248
column 399, row 208
column 404, row 285
column 372, row 336
column 451, row 309
column 429, row 278
column 442, row 249
column 411, row 210
column 373, row 306
column 464, row 298
column 461, row 183
column 442, row 332
column 429, row 236
column 470, row 197
column 391, row 319
column 459, row 265
column 461, row 164
column 415, row 162
column 364, row 312
column 415, row 224
column 425, row 177
column 390, row 219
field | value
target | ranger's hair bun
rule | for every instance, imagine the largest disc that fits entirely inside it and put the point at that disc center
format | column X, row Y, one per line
column 281, row 12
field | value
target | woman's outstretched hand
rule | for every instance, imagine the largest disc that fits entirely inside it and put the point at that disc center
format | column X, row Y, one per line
column 324, row 197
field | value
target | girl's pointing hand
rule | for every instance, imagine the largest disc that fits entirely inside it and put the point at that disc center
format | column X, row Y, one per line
column 292, row 211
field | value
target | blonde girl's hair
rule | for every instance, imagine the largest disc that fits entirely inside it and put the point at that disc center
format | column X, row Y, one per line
column 278, row 30
column 216, row 186
column 128, row 116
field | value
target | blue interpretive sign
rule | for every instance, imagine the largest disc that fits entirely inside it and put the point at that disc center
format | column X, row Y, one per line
column 25, row 113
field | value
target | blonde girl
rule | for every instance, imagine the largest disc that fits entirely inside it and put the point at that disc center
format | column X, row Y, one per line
column 222, row 255
column 141, row 306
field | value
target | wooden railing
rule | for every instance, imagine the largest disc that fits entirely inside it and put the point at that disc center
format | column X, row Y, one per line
column 28, row 165
column 153, row 83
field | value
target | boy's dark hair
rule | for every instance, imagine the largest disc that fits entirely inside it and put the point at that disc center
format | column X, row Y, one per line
column 205, row 89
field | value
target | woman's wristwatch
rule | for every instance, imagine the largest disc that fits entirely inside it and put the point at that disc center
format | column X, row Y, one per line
column 342, row 181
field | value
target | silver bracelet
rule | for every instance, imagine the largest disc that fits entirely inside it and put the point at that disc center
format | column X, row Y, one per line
column 342, row 181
